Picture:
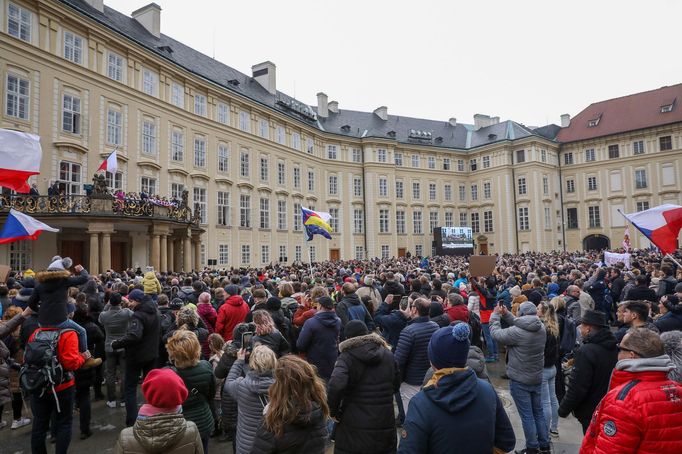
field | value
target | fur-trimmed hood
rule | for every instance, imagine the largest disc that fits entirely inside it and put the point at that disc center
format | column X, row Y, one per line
column 370, row 341
column 43, row 276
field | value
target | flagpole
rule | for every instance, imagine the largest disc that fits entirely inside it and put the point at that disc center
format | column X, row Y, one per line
column 673, row 259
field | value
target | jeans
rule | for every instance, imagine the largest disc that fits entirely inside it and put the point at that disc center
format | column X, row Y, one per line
column 529, row 405
column 132, row 375
column 550, row 404
column 407, row 392
column 84, row 409
column 80, row 331
column 114, row 360
column 204, row 443
column 490, row 344
column 43, row 407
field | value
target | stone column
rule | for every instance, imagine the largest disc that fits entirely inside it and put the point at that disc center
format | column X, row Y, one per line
column 94, row 253
column 171, row 255
column 163, row 266
column 197, row 255
column 106, row 251
column 155, row 251
column 187, row 254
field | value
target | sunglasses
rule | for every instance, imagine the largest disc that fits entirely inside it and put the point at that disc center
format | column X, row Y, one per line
column 625, row 349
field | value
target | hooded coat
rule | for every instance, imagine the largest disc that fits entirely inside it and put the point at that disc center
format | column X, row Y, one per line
column 50, row 295
column 231, row 313
column 141, row 340
column 151, row 283
column 670, row 321
column 525, row 339
column 163, row 433
column 360, row 395
column 460, row 412
column 351, row 308
column 319, row 340
column 391, row 323
column 306, row 434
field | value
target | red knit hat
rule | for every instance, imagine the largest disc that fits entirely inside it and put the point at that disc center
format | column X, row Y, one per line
column 163, row 388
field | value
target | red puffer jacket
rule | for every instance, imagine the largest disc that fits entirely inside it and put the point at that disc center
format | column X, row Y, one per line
column 459, row 312
column 642, row 413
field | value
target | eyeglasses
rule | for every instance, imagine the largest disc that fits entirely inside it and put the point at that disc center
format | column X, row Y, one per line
column 625, row 349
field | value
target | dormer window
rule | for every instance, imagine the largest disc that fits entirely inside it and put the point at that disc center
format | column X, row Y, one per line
column 391, row 134
column 592, row 123
column 665, row 108
column 345, row 128
column 492, row 136
column 233, row 82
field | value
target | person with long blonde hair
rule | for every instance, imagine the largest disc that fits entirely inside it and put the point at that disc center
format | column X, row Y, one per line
column 550, row 403
column 268, row 335
column 295, row 417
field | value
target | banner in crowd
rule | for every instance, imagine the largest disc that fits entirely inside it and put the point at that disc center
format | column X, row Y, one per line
column 611, row 258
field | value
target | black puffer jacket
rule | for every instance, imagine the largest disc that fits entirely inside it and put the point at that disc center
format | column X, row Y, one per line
column 141, row 341
column 360, row 395
column 86, row 377
column 50, row 295
column 589, row 382
column 305, row 435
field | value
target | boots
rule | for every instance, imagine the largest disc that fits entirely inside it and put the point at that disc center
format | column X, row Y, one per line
column 90, row 362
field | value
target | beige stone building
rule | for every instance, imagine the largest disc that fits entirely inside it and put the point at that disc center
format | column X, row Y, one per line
column 89, row 79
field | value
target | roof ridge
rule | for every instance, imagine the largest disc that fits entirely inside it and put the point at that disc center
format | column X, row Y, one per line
column 634, row 94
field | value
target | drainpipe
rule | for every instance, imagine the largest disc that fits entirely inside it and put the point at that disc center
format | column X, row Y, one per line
column 364, row 203
column 513, row 189
column 561, row 204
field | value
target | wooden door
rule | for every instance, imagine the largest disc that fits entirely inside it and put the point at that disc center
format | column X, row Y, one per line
column 334, row 254
column 73, row 249
column 118, row 255
column 484, row 249
column 402, row 251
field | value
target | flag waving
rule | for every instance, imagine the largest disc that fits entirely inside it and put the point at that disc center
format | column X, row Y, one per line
column 626, row 239
column 316, row 223
column 110, row 164
column 20, row 156
column 20, row 226
column 660, row 224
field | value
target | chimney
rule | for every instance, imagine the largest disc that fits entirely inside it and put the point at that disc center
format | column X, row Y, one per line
column 494, row 120
column 97, row 4
column 453, row 122
column 149, row 17
column 333, row 106
column 565, row 120
column 481, row 121
column 265, row 74
column 322, row 109
column 381, row 112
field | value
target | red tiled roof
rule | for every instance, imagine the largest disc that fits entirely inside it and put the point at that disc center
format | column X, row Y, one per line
column 628, row 113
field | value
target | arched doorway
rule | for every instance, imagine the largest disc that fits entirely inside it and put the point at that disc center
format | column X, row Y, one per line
column 596, row 242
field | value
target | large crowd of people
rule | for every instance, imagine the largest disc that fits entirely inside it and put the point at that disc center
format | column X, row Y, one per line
column 371, row 356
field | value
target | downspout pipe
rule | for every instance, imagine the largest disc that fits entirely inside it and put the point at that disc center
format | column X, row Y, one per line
column 515, row 208
column 561, row 204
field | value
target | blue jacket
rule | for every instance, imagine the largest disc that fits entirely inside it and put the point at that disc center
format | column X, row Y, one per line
column 412, row 351
column 319, row 340
column 461, row 413
column 671, row 321
column 391, row 323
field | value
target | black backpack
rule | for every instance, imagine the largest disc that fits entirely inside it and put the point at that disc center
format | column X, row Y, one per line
column 42, row 370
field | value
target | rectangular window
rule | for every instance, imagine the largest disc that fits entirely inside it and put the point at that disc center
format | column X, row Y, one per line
column 415, row 160
column 462, row 193
column 281, row 135
column 200, row 105
column 263, row 128
column 332, row 152
column 433, row 221
column 642, row 206
column 568, row 158
column 357, row 187
column 333, row 185
column 432, row 191
column 417, row 223
column 223, row 208
column 545, row 185
column 638, row 147
column 548, row 218
column 591, row 183
column 264, row 173
column 446, row 164
column 475, row 223
column 311, row 181
column 150, row 82
column 665, row 143
column 296, row 140
column 431, row 162
column 488, row 221
column 399, row 189
column 543, row 155
column 381, row 155
column 73, row 47
column 17, row 97
column 244, row 164
column 71, row 114
column 19, row 22
column 148, row 185
column 614, row 152
column 448, row 219
column 524, row 223
column 571, row 218
column 223, row 256
column 520, row 156
column 282, row 253
column 298, row 252
column 398, row 159
column 114, row 180
column 176, row 191
column 486, row 162
column 447, row 192
column 244, row 121
column 200, row 200
column 400, row 222
column 246, row 254
column 358, row 221
column 115, row 67
column 297, row 218
column 359, row 253
column 570, row 186
column 20, row 254
column 310, row 146
column 297, row 177
column 313, row 255
column 199, row 152
column 281, row 214
column 593, row 216
column 114, row 127
column 385, row 252
column 264, row 213
column 148, row 137
column 522, row 186
column 640, row 179
column 383, row 221
column 281, row 173
column 463, row 219
column 486, row 190
column 460, row 165
column 356, row 154
column 383, row 187
column 334, row 219
column 244, row 210
column 474, row 192
column 589, row 155
column 416, row 190
column 223, row 158
column 265, row 254
column 418, row 250
column 178, row 95
column 223, row 113
column 473, row 165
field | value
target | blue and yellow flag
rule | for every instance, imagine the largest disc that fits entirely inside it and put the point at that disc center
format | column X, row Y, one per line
column 316, row 223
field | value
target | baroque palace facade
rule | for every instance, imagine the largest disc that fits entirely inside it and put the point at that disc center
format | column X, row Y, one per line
column 89, row 79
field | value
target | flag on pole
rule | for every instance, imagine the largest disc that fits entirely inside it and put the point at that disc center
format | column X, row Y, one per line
column 20, row 226
column 20, row 156
column 110, row 164
column 316, row 223
column 626, row 239
column 660, row 224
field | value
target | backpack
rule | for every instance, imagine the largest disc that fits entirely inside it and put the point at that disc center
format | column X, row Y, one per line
column 42, row 370
column 568, row 338
column 476, row 329
column 166, row 319
column 356, row 312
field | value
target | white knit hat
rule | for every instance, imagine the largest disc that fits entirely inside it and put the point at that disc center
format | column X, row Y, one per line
column 59, row 264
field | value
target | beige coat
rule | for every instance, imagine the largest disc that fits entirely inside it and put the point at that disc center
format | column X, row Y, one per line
column 164, row 433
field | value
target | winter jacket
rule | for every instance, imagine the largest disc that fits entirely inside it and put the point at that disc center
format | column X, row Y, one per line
column 141, row 340
column 200, row 384
column 86, row 377
column 642, row 293
column 617, row 286
column 374, row 296
column 306, row 434
column 641, row 413
column 151, row 283
column 351, row 308
column 441, row 320
column 475, row 362
column 392, row 288
column 319, row 340
column 165, row 433
column 115, row 322
column 525, row 341
column 551, row 349
column 274, row 341
column 666, row 286
column 411, row 353
column 458, row 312
column 67, row 353
column 208, row 315
column 251, row 392
column 670, row 321
column 587, row 302
column 460, row 413
column 302, row 314
column 391, row 323
column 228, row 405
column 232, row 313
column 360, row 396
column 51, row 293
column 589, row 380
column 6, row 328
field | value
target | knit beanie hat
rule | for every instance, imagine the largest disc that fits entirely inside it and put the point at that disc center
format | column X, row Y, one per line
column 527, row 308
column 136, row 295
column 163, row 388
column 59, row 264
column 535, row 297
column 553, row 288
column 436, row 309
column 449, row 346
column 515, row 291
column 176, row 304
column 273, row 304
column 355, row 328
column 232, row 289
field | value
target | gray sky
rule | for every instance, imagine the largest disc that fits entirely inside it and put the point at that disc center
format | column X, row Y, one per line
column 529, row 61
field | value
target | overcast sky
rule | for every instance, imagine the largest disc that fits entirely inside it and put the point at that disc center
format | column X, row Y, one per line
column 529, row 61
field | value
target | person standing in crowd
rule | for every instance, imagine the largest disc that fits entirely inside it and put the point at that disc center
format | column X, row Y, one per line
column 666, row 286
column 436, row 314
column 160, row 426
column 550, row 404
column 454, row 405
column 7, row 327
column 141, row 347
column 268, row 335
column 297, row 411
column 642, row 412
column 411, row 352
column 391, row 287
column 351, row 308
column 641, row 291
column 319, row 338
column 594, row 362
column 115, row 320
column 231, row 313
column 184, row 353
column 367, row 289
column 672, row 342
column 457, row 309
column 85, row 378
column 152, row 286
column 486, row 300
column 206, row 312
column 250, row 388
column 635, row 315
column 391, row 319
column 187, row 318
column 361, row 390
column 525, row 340
column 670, row 310
column 9, row 368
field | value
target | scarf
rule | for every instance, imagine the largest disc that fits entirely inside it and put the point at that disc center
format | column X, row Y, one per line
column 440, row 373
column 656, row 364
column 148, row 410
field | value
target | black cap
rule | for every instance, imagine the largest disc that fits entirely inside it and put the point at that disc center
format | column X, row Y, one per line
column 176, row 304
column 326, row 302
column 594, row 318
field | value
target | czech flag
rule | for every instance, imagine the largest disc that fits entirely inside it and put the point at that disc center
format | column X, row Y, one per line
column 20, row 226
column 660, row 224
column 20, row 156
column 110, row 164
column 316, row 223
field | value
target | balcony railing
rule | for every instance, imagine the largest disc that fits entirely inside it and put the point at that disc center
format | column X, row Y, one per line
column 65, row 205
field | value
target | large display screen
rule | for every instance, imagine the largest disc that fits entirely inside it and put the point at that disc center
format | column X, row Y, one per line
column 456, row 238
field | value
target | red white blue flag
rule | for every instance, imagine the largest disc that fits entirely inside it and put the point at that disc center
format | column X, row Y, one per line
column 20, row 226
column 20, row 156
column 660, row 224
